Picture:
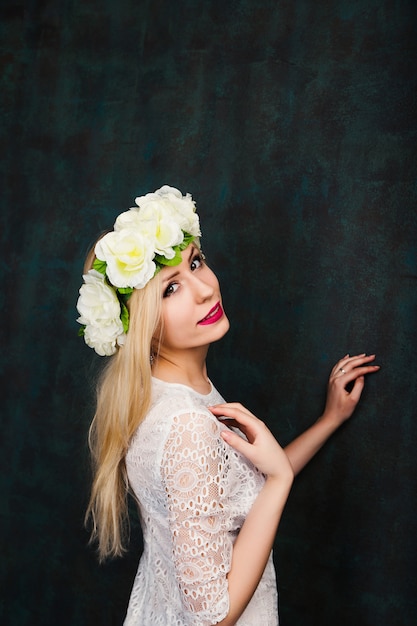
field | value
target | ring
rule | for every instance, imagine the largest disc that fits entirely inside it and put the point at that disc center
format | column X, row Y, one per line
column 342, row 370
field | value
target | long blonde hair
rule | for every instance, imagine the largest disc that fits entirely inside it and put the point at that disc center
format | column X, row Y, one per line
column 123, row 398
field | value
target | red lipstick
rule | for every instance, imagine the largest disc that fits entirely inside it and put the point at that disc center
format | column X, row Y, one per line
column 212, row 316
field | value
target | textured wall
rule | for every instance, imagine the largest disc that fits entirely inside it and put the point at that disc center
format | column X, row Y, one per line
column 294, row 126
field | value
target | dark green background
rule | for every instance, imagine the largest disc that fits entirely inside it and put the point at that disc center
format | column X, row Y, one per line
column 293, row 124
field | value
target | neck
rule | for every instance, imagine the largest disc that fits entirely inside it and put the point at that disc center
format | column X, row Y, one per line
column 187, row 368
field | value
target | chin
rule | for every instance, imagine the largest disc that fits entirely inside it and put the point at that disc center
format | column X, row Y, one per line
column 223, row 328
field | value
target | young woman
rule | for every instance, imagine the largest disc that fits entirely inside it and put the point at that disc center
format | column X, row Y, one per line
column 210, row 480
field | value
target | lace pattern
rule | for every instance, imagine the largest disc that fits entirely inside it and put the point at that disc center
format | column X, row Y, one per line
column 194, row 471
column 194, row 492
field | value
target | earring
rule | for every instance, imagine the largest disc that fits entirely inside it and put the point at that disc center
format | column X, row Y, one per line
column 151, row 359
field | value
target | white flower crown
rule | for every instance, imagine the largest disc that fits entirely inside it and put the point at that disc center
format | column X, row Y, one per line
column 144, row 239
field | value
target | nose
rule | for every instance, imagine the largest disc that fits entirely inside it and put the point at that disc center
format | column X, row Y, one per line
column 203, row 290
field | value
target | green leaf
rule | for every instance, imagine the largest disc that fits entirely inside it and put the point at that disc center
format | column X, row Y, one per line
column 124, row 316
column 160, row 260
column 186, row 241
column 125, row 290
column 100, row 266
column 176, row 260
column 81, row 331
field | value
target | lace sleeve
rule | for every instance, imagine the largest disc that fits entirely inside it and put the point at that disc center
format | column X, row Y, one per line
column 194, row 474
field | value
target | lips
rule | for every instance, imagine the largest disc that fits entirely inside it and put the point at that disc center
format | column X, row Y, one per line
column 212, row 316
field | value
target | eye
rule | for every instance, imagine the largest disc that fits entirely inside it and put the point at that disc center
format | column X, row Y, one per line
column 172, row 288
column 197, row 261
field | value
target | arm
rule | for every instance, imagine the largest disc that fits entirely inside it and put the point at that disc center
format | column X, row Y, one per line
column 255, row 540
column 216, row 577
column 340, row 405
column 194, row 478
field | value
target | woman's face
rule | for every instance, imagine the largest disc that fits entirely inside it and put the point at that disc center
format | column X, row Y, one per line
column 191, row 307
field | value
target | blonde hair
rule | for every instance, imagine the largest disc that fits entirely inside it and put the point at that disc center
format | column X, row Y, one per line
column 123, row 399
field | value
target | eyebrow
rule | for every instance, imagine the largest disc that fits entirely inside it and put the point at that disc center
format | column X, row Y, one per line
column 171, row 276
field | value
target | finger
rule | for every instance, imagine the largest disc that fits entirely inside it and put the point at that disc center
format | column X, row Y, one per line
column 231, row 405
column 339, row 364
column 357, row 389
column 360, row 359
column 232, row 410
column 229, row 422
column 360, row 371
column 342, row 363
column 239, row 444
column 346, row 365
column 362, row 367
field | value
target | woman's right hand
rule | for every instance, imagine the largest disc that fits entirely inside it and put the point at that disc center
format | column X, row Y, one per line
column 261, row 447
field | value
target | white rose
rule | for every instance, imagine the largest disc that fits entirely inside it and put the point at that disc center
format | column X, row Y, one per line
column 102, row 339
column 128, row 254
column 99, row 311
column 180, row 208
column 159, row 223
column 129, row 219
column 186, row 216
column 147, row 222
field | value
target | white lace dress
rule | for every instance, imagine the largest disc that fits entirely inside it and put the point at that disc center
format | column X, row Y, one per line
column 194, row 492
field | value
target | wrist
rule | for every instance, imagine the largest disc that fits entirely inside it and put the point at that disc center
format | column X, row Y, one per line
column 331, row 418
column 282, row 481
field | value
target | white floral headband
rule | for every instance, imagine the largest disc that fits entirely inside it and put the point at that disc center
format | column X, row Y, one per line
column 144, row 239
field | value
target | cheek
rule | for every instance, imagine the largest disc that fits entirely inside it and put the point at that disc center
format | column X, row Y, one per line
column 174, row 322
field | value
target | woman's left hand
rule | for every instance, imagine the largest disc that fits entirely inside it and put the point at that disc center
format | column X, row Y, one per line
column 350, row 370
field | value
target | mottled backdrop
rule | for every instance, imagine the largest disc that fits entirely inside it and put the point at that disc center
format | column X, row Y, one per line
column 293, row 123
